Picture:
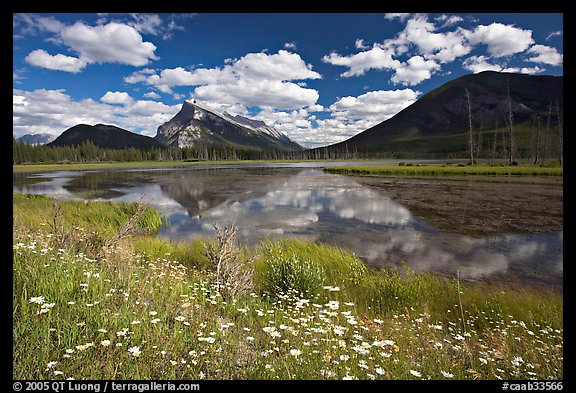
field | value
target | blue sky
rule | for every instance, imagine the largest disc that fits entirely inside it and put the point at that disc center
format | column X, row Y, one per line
column 320, row 78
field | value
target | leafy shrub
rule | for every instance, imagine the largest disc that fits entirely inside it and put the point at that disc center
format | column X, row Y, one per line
column 291, row 272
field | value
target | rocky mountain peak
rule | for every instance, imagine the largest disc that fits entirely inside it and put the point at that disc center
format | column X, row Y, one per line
column 198, row 124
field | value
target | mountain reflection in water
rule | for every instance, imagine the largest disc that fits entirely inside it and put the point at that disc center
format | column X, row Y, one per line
column 309, row 204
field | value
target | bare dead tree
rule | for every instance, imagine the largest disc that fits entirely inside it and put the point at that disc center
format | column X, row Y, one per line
column 470, row 139
column 130, row 228
column 479, row 141
column 560, row 135
column 494, row 143
column 547, row 132
column 537, row 157
column 510, row 124
column 233, row 273
column 504, row 147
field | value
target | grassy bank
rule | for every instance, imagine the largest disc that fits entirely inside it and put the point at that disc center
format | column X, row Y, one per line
column 135, row 164
column 151, row 309
column 436, row 170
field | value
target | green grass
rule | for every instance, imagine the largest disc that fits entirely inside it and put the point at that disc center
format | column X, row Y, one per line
column 136, row 164
column 150, row 310
column 439, row 170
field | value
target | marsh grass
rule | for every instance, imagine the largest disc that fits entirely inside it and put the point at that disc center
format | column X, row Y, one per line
column 156, row 313
column 438, row 170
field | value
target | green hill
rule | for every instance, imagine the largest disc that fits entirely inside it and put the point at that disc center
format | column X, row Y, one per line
column 437, row 124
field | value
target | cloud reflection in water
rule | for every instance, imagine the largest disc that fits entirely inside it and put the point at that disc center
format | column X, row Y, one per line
column 329, row 208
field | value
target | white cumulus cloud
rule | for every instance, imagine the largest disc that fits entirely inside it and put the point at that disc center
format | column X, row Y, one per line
column 545, row 54
column 116, row 97
column 59, row 62
column 500, row 40
column 478, row 64
column 256, row 79
column 375, row 58
column 414, row 71
column 110, row 43
column 376, row 105
column 152, row 94
column 53, row 111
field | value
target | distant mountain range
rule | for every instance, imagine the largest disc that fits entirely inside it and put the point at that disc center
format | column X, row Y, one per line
column 437, row 123
column 105, row 136
column 36, row 139
column 197, row 124
column 194, row 125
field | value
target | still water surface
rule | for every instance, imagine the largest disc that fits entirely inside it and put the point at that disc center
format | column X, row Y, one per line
column 489, row 229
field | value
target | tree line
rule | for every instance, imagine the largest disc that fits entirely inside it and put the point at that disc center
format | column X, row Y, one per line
column 545, row 141
column 88, row 152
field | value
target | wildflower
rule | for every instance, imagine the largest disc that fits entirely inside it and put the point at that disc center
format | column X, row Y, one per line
column 51, row 365
column 517, row 361
column 152, row 313
column 103, row 330
column 483, row 361
column 362, row 364
column 269, row 329
column 295, row 352
column 155, row 320
column 135, row 351
column 37, row 299
column 415, row 373
column 385, row 354
column 209, row 340
column 344, row 357
column 71, row 303
column 105, row 343
column 136, row 322
column 57, row 372
column 360, row 350
column 250, row 338
column 339, row 330
column 333, row 304
column 118, row 344
column 446, row 375
column 122, row 332
column 380, row 371
column 378, row 321
column 327, row 373
column 349, row 377
column 242, row 310
column 365, row 345
column 69, row 351
column 180, row 318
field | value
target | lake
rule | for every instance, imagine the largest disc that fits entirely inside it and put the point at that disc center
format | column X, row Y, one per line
column 485, row 228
